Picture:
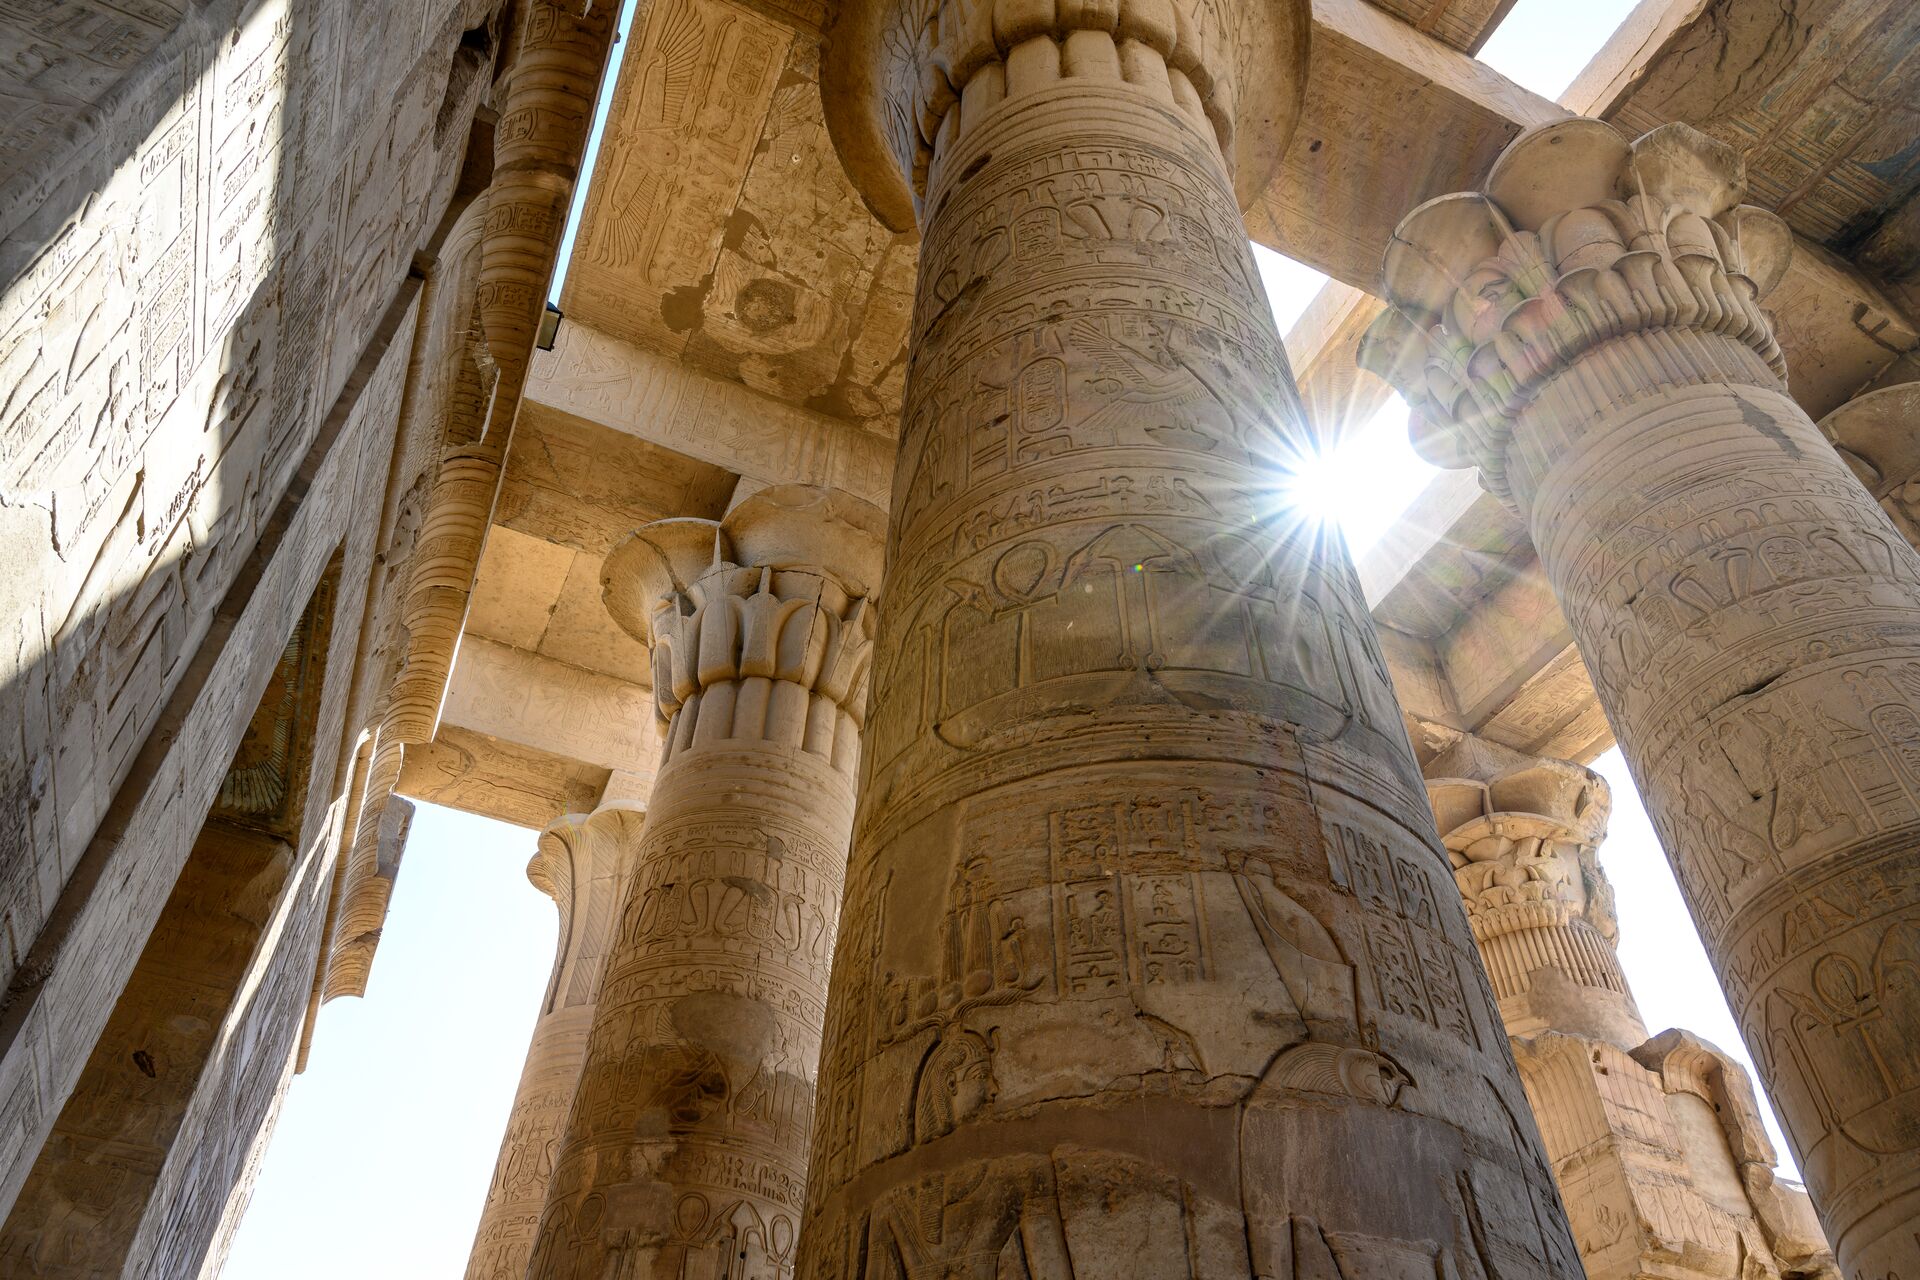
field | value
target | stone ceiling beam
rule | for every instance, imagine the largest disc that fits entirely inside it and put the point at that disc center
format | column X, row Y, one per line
column 658, row 399
column 1354, row 167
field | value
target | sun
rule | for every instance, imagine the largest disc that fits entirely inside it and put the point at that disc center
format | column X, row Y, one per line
column 1362, row 484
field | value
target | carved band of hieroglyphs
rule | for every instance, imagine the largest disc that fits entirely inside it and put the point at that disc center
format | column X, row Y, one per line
column 686, row 1150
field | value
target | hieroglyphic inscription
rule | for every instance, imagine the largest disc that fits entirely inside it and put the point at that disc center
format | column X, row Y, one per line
column 1772, row 725
column 1113, row 704
column 1746, row 607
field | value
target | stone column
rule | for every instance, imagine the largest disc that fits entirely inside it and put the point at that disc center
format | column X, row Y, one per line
column 1151, row 964
column 1663, row 1161
column 686, row 1148
column 1587, row 332
column 1523, row 834
column 583, row 864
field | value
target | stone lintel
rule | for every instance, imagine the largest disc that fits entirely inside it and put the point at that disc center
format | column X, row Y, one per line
column 588, row 717
column 628, row 388
column 517, row 784
column 1355, row 167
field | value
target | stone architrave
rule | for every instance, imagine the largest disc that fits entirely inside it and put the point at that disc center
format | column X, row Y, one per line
column 1151, row 964
column 686, row 1150
column 1663, row 1161
column 583, row 863
column 1588, row 333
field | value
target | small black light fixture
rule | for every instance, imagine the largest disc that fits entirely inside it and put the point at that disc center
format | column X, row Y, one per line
column 549, row 326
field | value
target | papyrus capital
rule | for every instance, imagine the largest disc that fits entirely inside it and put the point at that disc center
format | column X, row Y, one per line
column 1579, row 237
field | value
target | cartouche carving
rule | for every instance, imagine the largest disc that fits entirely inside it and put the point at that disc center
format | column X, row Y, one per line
column 685, row 1152
column 1146, row 928
column 1588, row 333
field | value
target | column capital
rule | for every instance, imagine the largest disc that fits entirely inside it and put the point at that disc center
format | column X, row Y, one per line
column 1578, row 238
column 1875, row 436
column 575, row 847
column 581, row 862
column 904, row 79
column 780, row 590
column 1522, row 832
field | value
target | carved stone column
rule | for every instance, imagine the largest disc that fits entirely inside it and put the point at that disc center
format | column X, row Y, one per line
column 583, row 863
column 686, row 1148
column 1587, row 333
column 1663, row 1161
column 1523, row 834
column 1151, row 964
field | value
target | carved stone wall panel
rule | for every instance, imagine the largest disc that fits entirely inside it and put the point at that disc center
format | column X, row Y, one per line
column 94, row 1181
column 64, row 56
column 1820, row 99
column 63, row 992
column 167, row 358
column 809, row 297
column 694, row 92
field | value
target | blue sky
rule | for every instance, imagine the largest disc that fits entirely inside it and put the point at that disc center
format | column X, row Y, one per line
column 385, row 1146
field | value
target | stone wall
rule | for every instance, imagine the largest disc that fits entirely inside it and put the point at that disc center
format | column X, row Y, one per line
column 210, row 285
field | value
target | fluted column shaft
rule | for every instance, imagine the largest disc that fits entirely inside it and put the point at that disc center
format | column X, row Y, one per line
column 1148, row 934
column 1750, row 617
column 583, row 863
column 686, row 1148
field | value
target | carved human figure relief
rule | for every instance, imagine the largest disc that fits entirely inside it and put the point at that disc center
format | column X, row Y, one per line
column 1657, row 1143
column 1587, row 332
column 1144, row 932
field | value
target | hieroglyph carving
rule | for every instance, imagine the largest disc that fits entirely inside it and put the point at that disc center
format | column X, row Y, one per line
column 1588, row 333
column 1147, row 929
column 560, row 53
column 685, row 1153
